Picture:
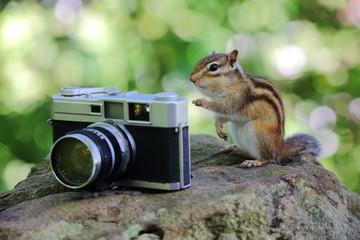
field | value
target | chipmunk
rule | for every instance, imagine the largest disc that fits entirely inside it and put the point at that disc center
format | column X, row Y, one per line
column 253, row 108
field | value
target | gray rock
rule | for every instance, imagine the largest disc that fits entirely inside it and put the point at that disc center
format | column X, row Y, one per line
column 298, row 201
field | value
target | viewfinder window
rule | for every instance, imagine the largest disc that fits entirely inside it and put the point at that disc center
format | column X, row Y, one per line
column 114, row 110
column 139, row 112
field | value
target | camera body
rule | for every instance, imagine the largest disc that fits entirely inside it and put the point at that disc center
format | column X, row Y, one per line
column 154, row 126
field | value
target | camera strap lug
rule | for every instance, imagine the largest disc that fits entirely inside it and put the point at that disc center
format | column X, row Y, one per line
column 50, row 121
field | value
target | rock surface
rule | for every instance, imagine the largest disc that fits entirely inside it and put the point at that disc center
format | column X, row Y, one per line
column 297, row 201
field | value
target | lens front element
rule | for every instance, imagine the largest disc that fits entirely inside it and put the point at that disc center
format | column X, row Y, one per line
column 75, row 160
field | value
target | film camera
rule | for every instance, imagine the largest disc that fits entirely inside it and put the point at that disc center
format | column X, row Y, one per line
column 102, row 136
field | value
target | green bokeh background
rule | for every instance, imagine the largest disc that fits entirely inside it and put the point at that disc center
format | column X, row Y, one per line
column 309, row 48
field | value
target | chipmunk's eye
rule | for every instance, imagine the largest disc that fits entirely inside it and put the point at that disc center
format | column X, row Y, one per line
column 213, row 67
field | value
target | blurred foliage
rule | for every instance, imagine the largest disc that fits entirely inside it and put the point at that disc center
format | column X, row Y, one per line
column 308, row 48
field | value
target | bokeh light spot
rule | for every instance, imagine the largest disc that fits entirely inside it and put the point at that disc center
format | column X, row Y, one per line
column 66, row 11
column 354, row 109
column 23, row 87
column 350, row 14
column 15, row 171
column 151, row 27
column 290, row 61
column 14, row 32
column 185, row 18
column 322, row 118
column 325, row 61
column 329, row 142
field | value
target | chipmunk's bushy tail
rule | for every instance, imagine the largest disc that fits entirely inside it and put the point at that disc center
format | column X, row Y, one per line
column 298, row 144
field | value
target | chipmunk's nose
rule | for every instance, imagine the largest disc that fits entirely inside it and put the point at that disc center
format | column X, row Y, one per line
column 193, row 79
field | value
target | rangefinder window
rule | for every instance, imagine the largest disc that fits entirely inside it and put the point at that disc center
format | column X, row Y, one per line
column 139, row 112
column 114, row 110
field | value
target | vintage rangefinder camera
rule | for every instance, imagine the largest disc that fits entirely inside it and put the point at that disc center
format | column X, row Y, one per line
column 102, row 136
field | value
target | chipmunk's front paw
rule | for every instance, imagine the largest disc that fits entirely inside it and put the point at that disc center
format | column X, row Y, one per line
column 222, row 134
column 202, row 102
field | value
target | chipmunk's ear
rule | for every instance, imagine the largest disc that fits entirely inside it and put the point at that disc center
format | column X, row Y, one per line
column 213, row 52
column 233, row 57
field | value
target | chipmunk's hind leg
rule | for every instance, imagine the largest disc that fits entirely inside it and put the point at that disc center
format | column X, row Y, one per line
column 253, row 163
column 235, row 151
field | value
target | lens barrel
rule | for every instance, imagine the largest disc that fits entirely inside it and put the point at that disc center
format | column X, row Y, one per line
column 92, row 156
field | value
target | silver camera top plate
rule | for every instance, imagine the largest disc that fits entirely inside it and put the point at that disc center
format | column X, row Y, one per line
column 77, row 91
column 107, row 103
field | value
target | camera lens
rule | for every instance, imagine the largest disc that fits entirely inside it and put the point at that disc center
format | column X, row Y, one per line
column 92, row 156
column 73, row 160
